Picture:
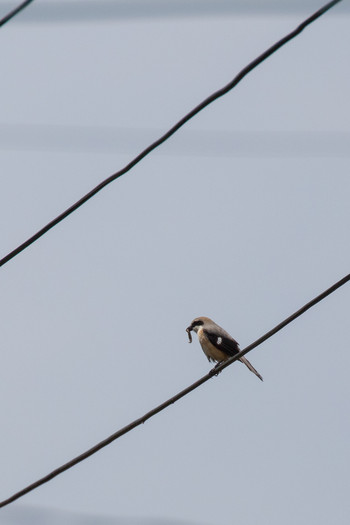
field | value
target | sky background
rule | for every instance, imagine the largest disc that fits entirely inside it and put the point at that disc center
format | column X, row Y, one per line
column 243, row 216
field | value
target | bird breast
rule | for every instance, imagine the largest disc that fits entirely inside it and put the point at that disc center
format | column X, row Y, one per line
column 212, row 352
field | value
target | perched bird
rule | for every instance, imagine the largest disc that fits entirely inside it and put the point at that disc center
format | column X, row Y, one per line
column 216, row 343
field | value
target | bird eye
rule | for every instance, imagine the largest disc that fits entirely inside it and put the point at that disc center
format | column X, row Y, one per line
column 197, row 323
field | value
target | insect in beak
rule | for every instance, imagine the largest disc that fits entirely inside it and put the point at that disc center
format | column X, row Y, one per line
column 188, row 330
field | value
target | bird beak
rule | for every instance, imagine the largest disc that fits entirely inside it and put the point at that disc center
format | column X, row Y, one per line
column 188, row 330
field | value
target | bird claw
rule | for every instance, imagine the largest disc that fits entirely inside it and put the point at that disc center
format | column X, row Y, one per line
column 214, row 371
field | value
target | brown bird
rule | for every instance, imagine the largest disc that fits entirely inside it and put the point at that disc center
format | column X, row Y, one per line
column 216, row 343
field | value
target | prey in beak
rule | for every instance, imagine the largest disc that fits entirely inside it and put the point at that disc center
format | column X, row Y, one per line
column 194, row 326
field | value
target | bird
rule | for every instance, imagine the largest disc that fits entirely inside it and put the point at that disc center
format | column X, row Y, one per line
column 216, row 343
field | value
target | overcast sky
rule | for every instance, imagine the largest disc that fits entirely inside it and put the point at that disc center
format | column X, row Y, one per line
column 92, row 10
column 242, row 216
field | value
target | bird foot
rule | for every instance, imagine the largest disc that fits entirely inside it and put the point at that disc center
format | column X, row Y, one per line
column 214, row 371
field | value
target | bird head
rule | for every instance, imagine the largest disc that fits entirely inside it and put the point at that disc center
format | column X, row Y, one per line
column 195, row 325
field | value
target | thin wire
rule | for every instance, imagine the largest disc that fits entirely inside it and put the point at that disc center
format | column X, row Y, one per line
column 252, row 65
column 172, row 400
column 14, row 12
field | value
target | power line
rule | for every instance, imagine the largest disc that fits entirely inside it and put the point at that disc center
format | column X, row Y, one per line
column 14, row 12
column 214, row 96
column 172, row 400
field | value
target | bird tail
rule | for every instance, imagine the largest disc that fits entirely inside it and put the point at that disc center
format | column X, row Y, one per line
column 251, row 368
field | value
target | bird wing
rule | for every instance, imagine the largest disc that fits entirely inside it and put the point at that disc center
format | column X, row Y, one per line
column 227, row 345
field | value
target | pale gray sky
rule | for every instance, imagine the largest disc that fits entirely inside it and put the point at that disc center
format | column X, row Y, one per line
column 93, row 10
column 93, row 316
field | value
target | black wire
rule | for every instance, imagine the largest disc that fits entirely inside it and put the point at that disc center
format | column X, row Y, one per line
column 171, row 131
column 170, row 401
column 14, row 12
